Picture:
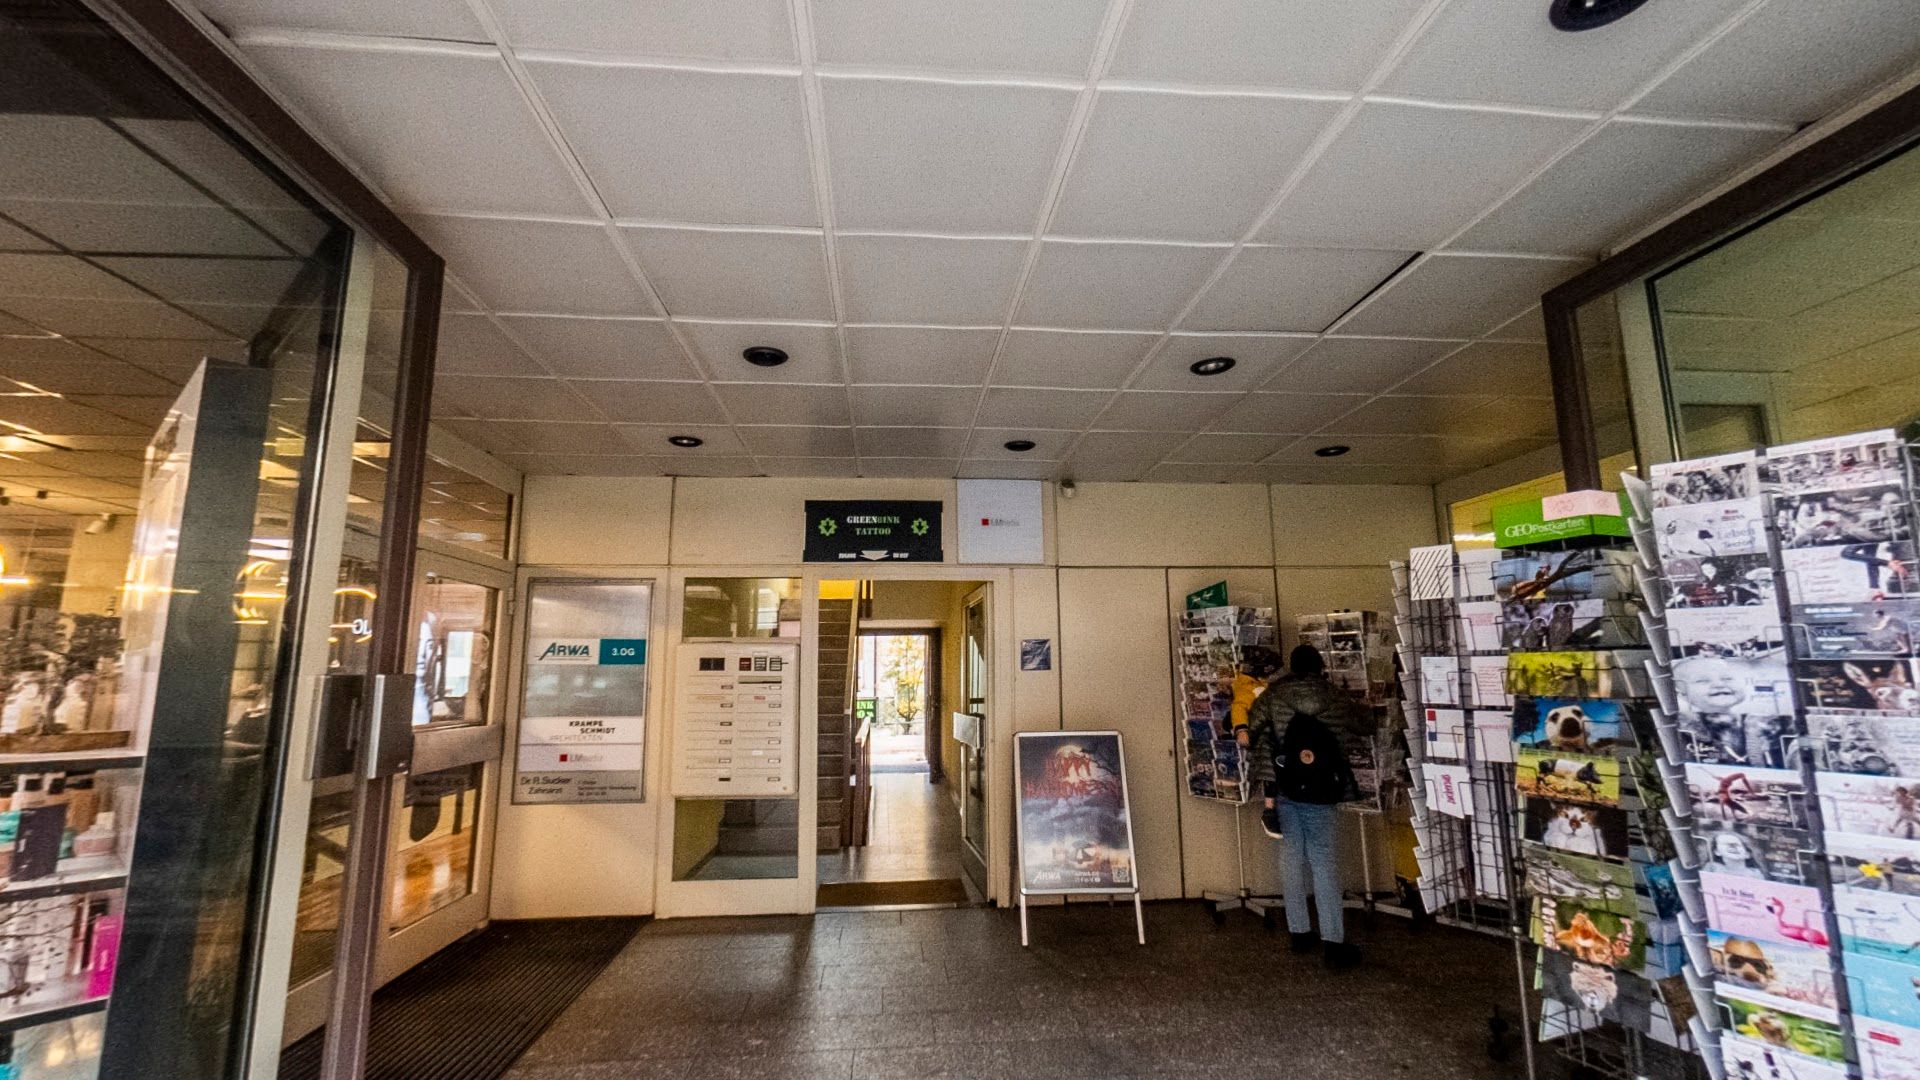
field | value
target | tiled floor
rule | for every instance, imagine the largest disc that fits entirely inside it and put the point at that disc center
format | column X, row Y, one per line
column 906, row 995
column 914, row 836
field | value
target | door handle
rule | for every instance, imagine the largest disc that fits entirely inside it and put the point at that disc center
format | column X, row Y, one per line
column 389, row 726
column 364, row 727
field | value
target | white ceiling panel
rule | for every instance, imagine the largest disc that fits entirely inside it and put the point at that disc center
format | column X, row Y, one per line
column 1298, row 44
column 1030, row 408
column 924, row 355
column 914, row 406
column 174, row 361
column 536, row 437
column 1404, row 176
column 813, row 353
column 906, row 442
column 1255, row 358
column 1143, row 447
column 80, row 318
column 61, row 277
column 1457, row 296
column 906, row 467
column 1114, row 286
column 810, row 466
column 735, row 275
column 1183, row 166
column 1229, row 448
column 709, row 465
column 63, row 367
column 1398, row 415
column 1361, row 450
column 14, row 238
column 934, row 280
column 518, row 266
column 1529, row 325
column 256, row 282
column 1358, row 365
column 991, row 443
column 941, row 156
column 675, row 145
column 708, row 29
column 602, row 348
column 439, row 129
column 1454, row 59
column 492, row 398
column 1023, row 468
column 785, row 403
column 1794, row 264
column 1621, row 179
column 652, row 439
column 1163, row 410
column 796, row 441
column 1283, row 414
column 626, row 402
column 1054, row 38
column 1190, row 473
column 582, row 464
column 1816, row 56
column 1486, row 367
column 82, row 158
column 472, row 345
column 1116, row 471
column 1070, row 358
column 160, row 230
column 445, row 20
column 1291, row 289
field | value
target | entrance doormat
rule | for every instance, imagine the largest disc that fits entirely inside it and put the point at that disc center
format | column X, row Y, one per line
column 469, row 1011
column 888, row 893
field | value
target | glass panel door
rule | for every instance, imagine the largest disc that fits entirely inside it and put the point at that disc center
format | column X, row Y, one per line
column 974, row 673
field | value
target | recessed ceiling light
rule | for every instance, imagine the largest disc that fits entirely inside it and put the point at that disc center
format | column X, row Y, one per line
column 1212, row 365
column 763, row 355
column 1331, row 451
column 685, row 442
column 1576, row 15
column 1019, row 446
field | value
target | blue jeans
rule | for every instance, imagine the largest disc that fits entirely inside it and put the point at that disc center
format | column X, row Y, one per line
column 1309, row 849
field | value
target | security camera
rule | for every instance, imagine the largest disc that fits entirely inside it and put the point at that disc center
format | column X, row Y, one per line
column 1067, row 489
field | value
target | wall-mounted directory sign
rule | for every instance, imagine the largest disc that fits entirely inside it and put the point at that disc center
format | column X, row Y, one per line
column 583, row 714
column 873, row 530
column 736, row 729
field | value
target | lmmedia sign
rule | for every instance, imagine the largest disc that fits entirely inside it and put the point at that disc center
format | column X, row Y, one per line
column 873, row 530
column 1562, row 517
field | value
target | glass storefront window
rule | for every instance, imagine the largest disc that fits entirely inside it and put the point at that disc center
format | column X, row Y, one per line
column 453, row 651
column 463, row 511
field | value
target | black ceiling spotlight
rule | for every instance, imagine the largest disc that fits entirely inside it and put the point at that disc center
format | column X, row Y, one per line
column 686, row 442
column 1212, row 365
column 763, row 355
column 1576, row 15
column 1331, row 451
column 1019, row 446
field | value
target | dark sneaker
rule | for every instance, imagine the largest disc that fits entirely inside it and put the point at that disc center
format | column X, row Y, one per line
column 1342, row 955
column 1270, row 822
column 1305, row 943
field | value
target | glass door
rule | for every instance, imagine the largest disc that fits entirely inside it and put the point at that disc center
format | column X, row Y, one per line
column 976, row 739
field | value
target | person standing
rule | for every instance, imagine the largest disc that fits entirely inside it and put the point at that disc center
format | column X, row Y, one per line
column 1296, row 731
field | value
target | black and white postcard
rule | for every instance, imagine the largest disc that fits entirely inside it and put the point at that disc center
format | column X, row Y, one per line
column 1873, row 514
column 1733, row 794
column 1698, row 581
column 1709, row 530
column 1848, row 631
column 1864, row 685
column 1850, row 573
column 1745, row 849
column 1875, row 743
column 1862, row 459
column 1706, row 480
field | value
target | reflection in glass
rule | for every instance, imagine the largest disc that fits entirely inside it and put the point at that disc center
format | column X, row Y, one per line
column 463, row 511
column 736, row 839
column 434, row 843
column 741, row 608
column 322, row 875
column 453, row 651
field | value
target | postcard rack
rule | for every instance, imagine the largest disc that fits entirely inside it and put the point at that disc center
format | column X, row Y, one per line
column 1785, row 667
column 1210, row 642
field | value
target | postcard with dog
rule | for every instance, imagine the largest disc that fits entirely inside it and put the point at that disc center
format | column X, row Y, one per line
column 1592, row 935
column 1706, row 480
column 1872, row 805
column 1764, row 910
column 1597, row 989
column 1589, row 882
column 1883, row 989
column 1872, row 514
column 1874, row 863
column 1573, row 725
column 1863, row 573
column 1882, row 686
column 1773, row 973
column 1887, row 1051
column 1584, row 778
column 1787, row 1030
column 1881, row 923
column 1745, row 1057
column 1711, row 530
column 1600, row 831
column 1755, row 851
column 1859, row 459
column 1849, row 631
column 1743, row 794
column 1695, row 581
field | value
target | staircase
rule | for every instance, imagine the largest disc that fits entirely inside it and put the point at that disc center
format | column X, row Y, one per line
column 838, row 627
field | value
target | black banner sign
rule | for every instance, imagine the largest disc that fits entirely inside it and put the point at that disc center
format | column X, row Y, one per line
column 873, row 530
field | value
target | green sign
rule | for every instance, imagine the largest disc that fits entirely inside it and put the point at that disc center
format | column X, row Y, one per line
column 1522, row 523
column 623, row 650
column 1214, row 595
column 873, row 530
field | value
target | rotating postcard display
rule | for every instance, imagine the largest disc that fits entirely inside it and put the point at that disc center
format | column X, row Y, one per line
column 1358, row 648
column 1211, row 640
column 1787, row 678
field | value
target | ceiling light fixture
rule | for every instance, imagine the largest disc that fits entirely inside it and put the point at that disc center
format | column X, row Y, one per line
column 763, row 355
column 1576, row 15
column 1331, row 451
column 1019, row 446
column 685, row 442
column 1212, row 365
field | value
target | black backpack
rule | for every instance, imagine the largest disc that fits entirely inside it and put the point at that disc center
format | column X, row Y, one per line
column 1312, row 766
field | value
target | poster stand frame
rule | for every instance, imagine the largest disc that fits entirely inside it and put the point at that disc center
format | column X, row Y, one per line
column 1020, row 846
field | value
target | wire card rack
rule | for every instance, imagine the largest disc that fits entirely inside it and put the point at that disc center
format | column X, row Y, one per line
column 1785, row 669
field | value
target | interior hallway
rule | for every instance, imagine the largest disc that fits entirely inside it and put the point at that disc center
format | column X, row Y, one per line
column 915, row 834
column 951, row 993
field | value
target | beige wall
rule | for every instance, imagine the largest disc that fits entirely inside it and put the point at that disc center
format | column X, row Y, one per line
column 1122, row 558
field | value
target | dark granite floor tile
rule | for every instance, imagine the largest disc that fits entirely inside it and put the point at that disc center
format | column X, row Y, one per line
column 991, row 1027
column 821, row 1065
column 931, row 1063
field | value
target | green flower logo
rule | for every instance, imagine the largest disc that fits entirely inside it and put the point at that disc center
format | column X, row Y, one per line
column 828, row 526
column 919, row 526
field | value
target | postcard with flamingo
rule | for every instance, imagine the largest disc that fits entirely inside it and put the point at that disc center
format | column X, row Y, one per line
column 1878, row 923
column 1874, row 805
column 1764, row 910
column 1771, row 973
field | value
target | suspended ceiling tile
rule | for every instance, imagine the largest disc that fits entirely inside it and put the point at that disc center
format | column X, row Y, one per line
column 1058, row 409
column 443, row 19
column 1283, row 414
column 582, row 464
column 789, row 440
column 472, row 345
column 1361, row 450
column 1486, row 367
column 228, row 281
column 512, row 399
column 1334, row 473
column 57, row 416
column 163, row 230
column 173, row 361
column 811, row 466
column 1458, row 296
column 1291, row 289
column 1623, row 178
column 61, row 277
column 1183, row 166
column 1790, row 266
column 813, row 351
column 80, row 157
column 914, row 406
column 700, row 465
column 1091, row 360
column 1175, row 472
column 1358, row 365
column 1141, row 447
column 79, row 318
column 1407, row 176
column 931, row 280
column 1109, row 286
column 946, row 157
column 632, row 402
column 437, row 128
column 925, row 355
column 64, row 367
column 1406, row 415
column 1054, row 38
column 1817, row 57
column 1228, row 449
column 1507, row 53
column 909, row 442
column 990, row 443
column 1298, row 44
column 1008, row 469
column 1529, row 325
column 705, row 29
column 1163, row 410
column 1895, row 298
column 903, row 468
column 676, row 145
column 785, row 403
column 14, row 238
column 1255, row 359
column 652, row 439
column 602, row 348
column 511, row 265
column 716, row 274
column 1114, row 472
